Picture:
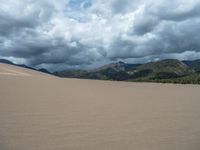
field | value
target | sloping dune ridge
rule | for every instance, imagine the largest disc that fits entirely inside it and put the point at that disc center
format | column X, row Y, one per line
column 43, row 112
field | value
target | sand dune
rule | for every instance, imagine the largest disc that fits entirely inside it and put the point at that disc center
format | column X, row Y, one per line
column 10, row 71
column 43, row 112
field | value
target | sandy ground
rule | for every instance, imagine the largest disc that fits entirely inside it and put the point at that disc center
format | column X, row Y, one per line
column 42, row 112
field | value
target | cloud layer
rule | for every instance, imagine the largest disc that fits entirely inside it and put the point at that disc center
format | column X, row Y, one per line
column 86, row 33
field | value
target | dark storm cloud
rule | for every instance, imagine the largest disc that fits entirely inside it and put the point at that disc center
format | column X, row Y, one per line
column 61, row 54
column 26, row 14
column 122, row 6
column 42, row 32
column 177, row 13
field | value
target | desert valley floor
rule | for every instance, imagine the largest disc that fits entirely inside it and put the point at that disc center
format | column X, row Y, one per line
column 43, row 112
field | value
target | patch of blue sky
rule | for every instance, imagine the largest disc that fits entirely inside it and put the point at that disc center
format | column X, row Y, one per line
column 77, row 5
column 75, row 8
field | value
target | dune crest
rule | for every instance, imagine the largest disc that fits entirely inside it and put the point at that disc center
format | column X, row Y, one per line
column 5, row 70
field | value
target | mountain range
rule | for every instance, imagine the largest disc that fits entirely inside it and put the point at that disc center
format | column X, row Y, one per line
column 169, row 71
column 164, row 71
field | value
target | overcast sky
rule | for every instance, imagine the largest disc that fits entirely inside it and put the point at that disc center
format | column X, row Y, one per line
column 59, row 34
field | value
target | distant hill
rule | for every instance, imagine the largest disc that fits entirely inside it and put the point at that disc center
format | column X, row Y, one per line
column 165, row 69
column 119, row 66
column 6, row 61
column 195, row 64
column 169, row 70
column 43, row 70
column 114, row 71
column 71, row 73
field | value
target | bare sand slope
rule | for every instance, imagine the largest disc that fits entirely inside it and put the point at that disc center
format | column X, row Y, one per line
column 42, row 112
